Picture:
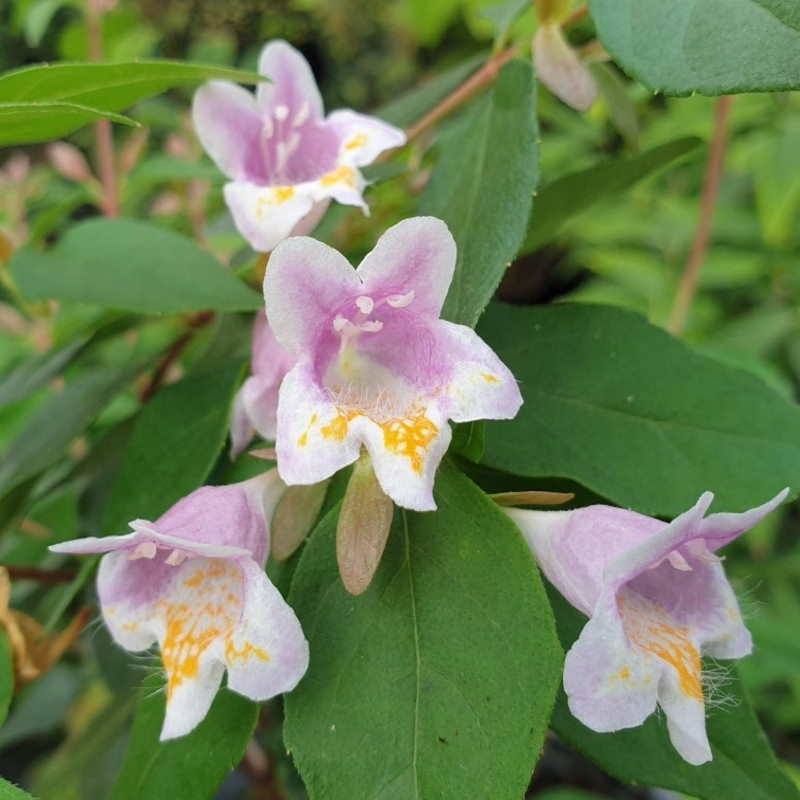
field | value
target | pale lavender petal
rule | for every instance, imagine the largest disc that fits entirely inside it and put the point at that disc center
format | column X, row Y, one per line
column 405, row 454
column 719, row 529
column 241, row 428
column 228, row 124
column 260, row 399
column 292, row 84
column 314, row 438
column 609, row 684
column 306, row 284
column 416, row 255
column 364, row 138
column 482, row 386
column 269, row 360
column 266, row 653
column 266, row 215
column 686, row 720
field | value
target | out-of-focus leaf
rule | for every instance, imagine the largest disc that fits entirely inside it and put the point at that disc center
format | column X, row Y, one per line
column 409, row 107
column 110, row 87
column 620, row 107
column 568, row 196
column 6, row 675
column 482, row 187
column 38, row 19
column 36, row 372
column 57, row 422
column 503, row 15
column 743, row 766
column 161, row 169
column 191, row 767
column 10, row 792
column 711, row 46
column 634, row 415
column 135, row 266
column 40, row 121
column 428, row 20
column 449, row 652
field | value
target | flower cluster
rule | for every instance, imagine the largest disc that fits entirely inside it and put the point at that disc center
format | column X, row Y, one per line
column 356, row 365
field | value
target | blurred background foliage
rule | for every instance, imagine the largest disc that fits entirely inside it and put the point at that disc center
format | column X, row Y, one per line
column 66, row 731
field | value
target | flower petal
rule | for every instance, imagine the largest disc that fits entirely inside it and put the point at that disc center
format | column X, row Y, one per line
column 291, row 85
column 608, row 683
column 228, row 124
column 190, row 701
column 266, row 653
column 719, row 529
column 305, row 284
column 686, row 720
column 417, row 254
column 406, row 453
column 241, row 428
column 482, row 387
column 266, row 215
column 314, row 439
column 364, row 138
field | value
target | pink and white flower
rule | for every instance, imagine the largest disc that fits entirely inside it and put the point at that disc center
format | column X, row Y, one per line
column 193, row 582
column 376, row 367
column 657, row 600
column 255, row 407
column 284, row 158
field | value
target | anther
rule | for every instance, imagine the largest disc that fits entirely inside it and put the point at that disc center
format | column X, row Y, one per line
column 144, row 550
column 371, row 326
column 177, row 557
column 401, row 300
column 281, row 112
column 365, row 304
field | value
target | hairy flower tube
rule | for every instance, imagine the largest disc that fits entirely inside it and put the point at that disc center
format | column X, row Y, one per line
column 284, row 158
column 657, row 600
column 193, row 581
column 376, row 367
column 255, row 407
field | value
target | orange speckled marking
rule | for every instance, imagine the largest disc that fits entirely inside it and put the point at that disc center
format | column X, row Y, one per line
column 243, row 653
column 303, row 439
column 343, row 174
column 278, row 196
column 337, row 428
column 651, row 629
column 409, row 437
column 489, row 378
column 357, row 142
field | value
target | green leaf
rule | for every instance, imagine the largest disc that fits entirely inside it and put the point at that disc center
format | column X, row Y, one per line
column 57, row 422
column 743, row 766
column 36, row 372
column 10, row 792
column 634, row 415
column 708, row 46
column 482, row 187
column 438, row 680
column 572, row 194
column 174, row 445
column 6, row 676
column 110, row 87
column 189, row 768
column 131, row 265
column 503, row 15
column 26, row 123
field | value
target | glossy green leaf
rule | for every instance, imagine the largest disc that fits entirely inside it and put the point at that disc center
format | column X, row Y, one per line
column 572, row 194
column 26, row 123
column 131, row 265
column 438, row 680
column 110, row 87
column 743, row 767
column 57, row 422
column 189, row 768
column 482, row 187
column 708, row 46
column 634, row 415
column 173, row 447
column 6, row 676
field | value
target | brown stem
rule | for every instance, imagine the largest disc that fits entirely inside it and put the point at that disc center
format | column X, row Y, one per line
column 174, row 353
column 478, row 81
column 40, row 575
column 687, row 287
column 104, row 141
column 576, row 16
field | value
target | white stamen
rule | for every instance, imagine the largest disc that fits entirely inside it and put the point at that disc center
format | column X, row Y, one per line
column 281, row 112
column 679, row 562
column 284, row 150
column 340, row 323
column 177, row 557
column 401, row 300
column 144, row 550
column 699, row 549
column 269, row 128
column 371, row 326
column 365, row 304
column 302, row 115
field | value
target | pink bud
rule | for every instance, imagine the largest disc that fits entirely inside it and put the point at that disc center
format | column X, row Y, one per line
column 17, row 167
column 69, row 162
